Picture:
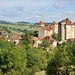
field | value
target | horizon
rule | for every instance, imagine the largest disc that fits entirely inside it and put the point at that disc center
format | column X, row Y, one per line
column 34, row 11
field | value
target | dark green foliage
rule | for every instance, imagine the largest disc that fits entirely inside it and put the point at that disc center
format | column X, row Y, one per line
column 46, row 25
column 63, row 62
column 26, row 38
column 57, row 37
column 45, row 44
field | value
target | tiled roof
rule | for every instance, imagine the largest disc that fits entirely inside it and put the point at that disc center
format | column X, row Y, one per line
column 68, row 21
column 47, row 28
column 15, row 37
column 1, row 31
column 53, row 23
column 40, row 23
column 36, row 38
column 49, row 38
column 72, row 39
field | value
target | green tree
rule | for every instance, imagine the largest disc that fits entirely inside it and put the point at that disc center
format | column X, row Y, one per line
column 56, row 37
column 61, row 62
column 26, row 38
column 45, row 44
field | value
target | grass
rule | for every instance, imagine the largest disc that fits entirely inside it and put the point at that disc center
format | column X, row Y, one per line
column 15, row 26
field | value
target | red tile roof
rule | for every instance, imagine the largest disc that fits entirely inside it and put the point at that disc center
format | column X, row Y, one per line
column 68, row 21
column 49, row 38
column 36, row 38
column 1, row 31
column 40, row 23
column 15, row 37
column 47, row 28
column 72, row 39
column 53, row 23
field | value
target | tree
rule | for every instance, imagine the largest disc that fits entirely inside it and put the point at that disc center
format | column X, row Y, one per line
column 46, row 25
column 56, row 37
column 62, row 61
column 26, row 38
column 45, row 44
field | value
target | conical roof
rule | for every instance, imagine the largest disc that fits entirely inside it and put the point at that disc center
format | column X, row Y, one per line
column 40, row 23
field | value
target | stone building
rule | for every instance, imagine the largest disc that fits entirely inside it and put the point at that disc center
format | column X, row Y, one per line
column 66, row 28
column 54, row 26
column 15, row 38
column 44, row 30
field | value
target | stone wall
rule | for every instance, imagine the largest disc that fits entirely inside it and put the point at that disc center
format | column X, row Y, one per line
column 40, row 33
column 55, row 30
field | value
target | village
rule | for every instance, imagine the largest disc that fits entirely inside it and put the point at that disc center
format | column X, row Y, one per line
column 65, row 28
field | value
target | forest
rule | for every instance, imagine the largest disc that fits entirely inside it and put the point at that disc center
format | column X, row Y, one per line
column 27, row 60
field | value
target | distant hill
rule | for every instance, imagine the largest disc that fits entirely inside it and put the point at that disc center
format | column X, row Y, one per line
column 4, row 22
column 24, row 22
column 18, row 23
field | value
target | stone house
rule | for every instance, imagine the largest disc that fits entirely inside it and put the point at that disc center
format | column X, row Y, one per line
column 15, row 38
column 43, row 30
column 66, row 29
column 53, row 42
column 37, row 41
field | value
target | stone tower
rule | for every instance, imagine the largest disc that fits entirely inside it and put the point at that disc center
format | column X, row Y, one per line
column 40, row 30
column 66, row 29
column 54, row 26
column 44, row 31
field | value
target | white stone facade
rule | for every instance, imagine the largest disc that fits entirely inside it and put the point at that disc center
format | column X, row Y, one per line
column 65, row 28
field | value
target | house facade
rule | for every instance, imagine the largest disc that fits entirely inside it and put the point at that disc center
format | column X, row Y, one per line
column 15, row 38
column 43, row 30
column 37, row 41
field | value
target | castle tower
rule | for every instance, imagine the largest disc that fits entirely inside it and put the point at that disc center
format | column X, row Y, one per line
column 54, row 26
column 67, row 29
column 40, row 24
column 40, row 30
column 63, row 30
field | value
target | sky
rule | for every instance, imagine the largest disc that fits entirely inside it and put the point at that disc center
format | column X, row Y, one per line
column 37, row 10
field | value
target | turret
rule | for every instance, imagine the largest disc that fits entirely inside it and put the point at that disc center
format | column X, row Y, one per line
column 40, row 24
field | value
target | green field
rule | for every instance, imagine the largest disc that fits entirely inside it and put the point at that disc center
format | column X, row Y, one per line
column 15, row 26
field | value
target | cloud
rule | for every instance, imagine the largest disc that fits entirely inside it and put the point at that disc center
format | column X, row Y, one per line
column 52, row 16
column 37, row 17
column 69, row 13
column 19, row 8
column 10, row 14
column 58, row 5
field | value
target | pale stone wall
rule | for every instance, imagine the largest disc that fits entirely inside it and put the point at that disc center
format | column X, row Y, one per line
column 40, row 33
column 62, row 32
column 17, row 41
column 54, row 44
column 38, row 42
column 48, row 33
column 55, row 30
column 69, row 31
column 63, row 37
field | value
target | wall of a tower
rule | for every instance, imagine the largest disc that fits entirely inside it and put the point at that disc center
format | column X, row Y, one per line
column 63, row 32
column 48, row 33
column 70, row 31
column 55, row 30
column 40, row 32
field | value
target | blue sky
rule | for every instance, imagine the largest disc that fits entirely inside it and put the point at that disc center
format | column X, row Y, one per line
column 36, row 10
